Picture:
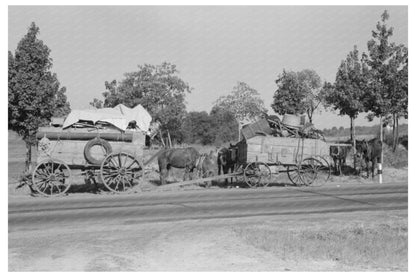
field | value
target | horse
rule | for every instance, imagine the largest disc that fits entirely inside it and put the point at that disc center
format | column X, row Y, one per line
column 369, row 151
column 339, row 155
column 178, row 158
column 226, row 160
column 206, row 166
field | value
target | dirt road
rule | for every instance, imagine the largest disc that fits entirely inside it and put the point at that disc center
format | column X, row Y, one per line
column 179, row 230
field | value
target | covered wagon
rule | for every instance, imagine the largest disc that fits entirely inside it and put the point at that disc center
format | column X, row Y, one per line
column 104, row 144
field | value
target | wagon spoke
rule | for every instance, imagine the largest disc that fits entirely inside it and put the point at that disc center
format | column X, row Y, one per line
column 111, row 161
column 126, row 158
column 122, row 181
column 58, row 167
column 119, row 160
column 132, row 163
column 45, row 186
column 41, row 172
column 130, row 182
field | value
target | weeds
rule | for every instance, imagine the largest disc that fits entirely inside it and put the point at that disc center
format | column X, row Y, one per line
column 380, row 246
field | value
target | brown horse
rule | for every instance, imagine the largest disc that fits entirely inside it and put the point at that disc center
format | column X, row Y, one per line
column 207, row 166
column 178, row 158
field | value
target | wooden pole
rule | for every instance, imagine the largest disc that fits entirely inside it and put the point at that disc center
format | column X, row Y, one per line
column 170, row 141
column 161, row 138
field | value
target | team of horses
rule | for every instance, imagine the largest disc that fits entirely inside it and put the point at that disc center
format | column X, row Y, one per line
column 224, row 160
column 189, row 159
column 367, row 151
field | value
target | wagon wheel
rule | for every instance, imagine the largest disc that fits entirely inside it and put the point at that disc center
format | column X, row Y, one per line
column 51, row 178
column 313, row 170
column 120, row 171
column 293, row 174
column 324, row 172
column 257, row 174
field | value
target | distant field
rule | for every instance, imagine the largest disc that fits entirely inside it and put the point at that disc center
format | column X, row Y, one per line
column 345, row 138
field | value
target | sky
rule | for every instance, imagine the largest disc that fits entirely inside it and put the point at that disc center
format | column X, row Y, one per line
column 213, row 47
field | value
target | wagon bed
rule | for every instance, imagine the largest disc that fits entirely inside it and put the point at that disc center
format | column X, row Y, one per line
column 305, row 160
column 113, row 156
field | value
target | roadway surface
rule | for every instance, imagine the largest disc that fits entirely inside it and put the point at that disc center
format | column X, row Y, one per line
column 69, row 233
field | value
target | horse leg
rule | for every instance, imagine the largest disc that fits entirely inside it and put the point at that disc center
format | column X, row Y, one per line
column 209, row 174
column 373, row 164
column 225, row 171
column 187, row 175
column 232, row 171
column 163, row 173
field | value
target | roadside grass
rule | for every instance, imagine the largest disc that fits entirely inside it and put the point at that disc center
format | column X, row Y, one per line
column 380, row 246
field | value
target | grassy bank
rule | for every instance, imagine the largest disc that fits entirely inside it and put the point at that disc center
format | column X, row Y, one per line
column 368, row 245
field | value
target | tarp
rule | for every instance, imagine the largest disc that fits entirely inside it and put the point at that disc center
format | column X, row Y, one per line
column 120, row 116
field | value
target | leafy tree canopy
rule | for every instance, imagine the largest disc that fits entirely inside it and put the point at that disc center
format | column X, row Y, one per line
column 34, row 92
column 225, row 126
column 243, row 102
column 346, row 95
column 297, row 93
column 157, row 88
column 197, row 128
column 387, row 87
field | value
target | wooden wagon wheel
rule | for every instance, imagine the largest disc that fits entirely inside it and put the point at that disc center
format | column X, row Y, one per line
column 120, row 171
column 311, row 170
column 51, row 177
column 257, row 174
column 324, row 171
column 293, row 174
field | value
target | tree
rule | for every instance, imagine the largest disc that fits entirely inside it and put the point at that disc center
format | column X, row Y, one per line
column 197, row 128
column 297, row 93
column 346, row 95
column 96, row 103
column 243, row 102
column 290, row 95
column 158, row 89
column 225, row 125
column 388, row 92
column 34, row 91
column 312, row 84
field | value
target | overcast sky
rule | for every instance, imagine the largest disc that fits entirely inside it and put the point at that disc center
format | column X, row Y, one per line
column 213, row 47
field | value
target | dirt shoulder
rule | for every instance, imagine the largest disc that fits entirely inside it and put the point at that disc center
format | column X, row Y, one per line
column 250, row 244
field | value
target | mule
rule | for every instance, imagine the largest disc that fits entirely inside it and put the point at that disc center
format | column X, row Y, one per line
column 339, row 155
column 369, row 151
column 178, row 158
column 226, row 160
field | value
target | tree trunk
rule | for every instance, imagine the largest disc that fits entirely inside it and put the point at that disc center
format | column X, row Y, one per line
column 381, row 138
column 28, row 162
column 310, row 114
column 395, row 131
column 353, row 141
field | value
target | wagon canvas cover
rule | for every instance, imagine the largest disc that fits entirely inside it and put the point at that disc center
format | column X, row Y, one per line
column 119, row 116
